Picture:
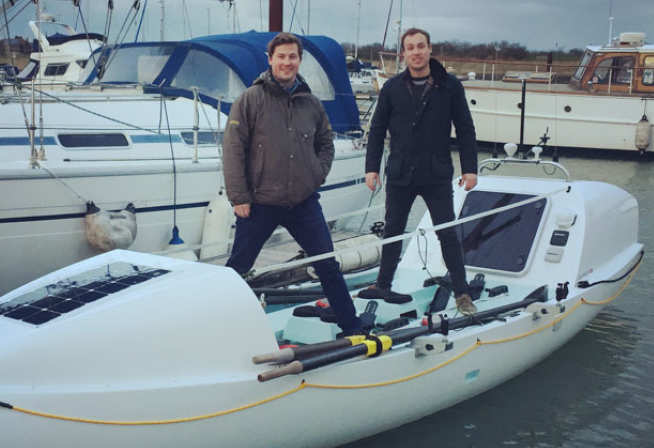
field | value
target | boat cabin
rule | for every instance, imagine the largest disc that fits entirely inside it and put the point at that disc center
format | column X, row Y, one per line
column 59, row 54
column 626, row 66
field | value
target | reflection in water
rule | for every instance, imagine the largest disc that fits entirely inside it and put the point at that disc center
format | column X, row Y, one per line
column 596, row 391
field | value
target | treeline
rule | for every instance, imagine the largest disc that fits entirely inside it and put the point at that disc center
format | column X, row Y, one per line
column 502, row 50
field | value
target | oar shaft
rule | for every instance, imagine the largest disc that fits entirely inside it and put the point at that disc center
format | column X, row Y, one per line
column 291, row 353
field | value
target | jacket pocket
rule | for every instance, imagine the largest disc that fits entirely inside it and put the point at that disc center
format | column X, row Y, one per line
column 256, row 160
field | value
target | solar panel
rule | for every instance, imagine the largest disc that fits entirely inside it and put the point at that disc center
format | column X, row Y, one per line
column 47, row 303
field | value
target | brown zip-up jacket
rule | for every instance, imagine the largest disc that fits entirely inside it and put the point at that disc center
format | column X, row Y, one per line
column 278, row 147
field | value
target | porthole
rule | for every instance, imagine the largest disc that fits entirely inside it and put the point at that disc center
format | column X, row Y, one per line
column 567, row 108
column 473, row 102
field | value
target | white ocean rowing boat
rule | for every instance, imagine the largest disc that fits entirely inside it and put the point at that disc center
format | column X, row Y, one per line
column 131, row 349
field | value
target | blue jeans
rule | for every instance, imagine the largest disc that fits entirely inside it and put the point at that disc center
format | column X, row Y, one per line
column 306, row 223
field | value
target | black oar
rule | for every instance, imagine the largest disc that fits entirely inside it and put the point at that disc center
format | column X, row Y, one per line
column 369, row 347
column 292, row 353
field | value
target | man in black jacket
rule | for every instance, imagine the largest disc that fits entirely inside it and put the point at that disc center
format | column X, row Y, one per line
column 418, row 107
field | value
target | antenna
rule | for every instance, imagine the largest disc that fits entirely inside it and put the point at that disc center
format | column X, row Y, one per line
column 610, row 22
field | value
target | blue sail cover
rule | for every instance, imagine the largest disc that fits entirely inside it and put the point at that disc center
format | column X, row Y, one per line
column 244, row 54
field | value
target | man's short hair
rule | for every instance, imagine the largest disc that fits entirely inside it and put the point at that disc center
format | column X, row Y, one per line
column 284, row 38
column 411, row 32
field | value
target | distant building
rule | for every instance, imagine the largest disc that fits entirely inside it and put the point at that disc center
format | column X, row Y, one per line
column 16, row 45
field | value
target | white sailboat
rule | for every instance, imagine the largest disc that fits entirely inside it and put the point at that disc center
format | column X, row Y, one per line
column 145, row 128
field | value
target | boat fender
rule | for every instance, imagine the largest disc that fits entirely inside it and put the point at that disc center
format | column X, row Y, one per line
column 643, row 134
column 107, row 230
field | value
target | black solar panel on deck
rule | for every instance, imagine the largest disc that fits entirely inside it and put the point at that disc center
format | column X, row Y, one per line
column 42, row 305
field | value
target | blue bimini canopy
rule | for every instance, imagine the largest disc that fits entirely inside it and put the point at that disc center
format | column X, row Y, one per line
column 221, row 67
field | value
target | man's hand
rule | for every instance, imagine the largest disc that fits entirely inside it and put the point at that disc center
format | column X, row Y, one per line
column 372, row 180
column 242, row 210
column 468, row 181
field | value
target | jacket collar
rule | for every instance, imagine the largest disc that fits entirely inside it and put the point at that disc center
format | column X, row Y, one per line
column 266, row 79
column 438, row 74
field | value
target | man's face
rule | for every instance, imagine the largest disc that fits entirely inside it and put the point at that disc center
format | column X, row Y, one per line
column 416, row 51
column 285, row 62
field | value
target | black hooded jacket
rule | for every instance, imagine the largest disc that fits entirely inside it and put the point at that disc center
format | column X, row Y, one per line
column 420, row 130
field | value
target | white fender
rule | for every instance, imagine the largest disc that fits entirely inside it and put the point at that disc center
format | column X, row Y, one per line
column 218, row 227
column 110, row 230
column 643, row 133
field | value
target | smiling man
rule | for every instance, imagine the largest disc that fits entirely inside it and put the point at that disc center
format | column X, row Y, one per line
column 418, row 108
column 277, row 151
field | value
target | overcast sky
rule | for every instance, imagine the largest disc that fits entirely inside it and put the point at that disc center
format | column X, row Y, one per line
column 536, row 24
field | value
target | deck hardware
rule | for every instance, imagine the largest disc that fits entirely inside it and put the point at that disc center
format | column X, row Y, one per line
column 430, row 345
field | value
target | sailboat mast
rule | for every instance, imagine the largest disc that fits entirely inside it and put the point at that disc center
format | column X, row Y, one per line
column 161, row 23
column 275, row 15
column 356, row 44
column 399, row 39
column 610, row 22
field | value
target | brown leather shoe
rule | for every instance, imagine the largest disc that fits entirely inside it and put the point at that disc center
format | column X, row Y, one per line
column 464, row 305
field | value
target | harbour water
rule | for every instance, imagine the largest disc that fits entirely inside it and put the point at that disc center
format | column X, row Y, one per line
column 596, row 391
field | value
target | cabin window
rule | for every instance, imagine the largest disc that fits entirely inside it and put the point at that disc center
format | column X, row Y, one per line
column 138, row 65
column 316, row 78
column 204, row 138
column 648, row 71
column 210, row 75
column 618, row 69
column 502, row 241
column 108, row 140
column 582, row 66
column 55, row 69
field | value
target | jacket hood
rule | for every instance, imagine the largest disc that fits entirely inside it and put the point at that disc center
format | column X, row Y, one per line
column 266, row 79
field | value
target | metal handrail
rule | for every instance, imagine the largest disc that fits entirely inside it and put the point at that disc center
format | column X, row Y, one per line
column 496, row 163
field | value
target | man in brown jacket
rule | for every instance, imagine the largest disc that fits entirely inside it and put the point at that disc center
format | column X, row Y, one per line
column 277, row 151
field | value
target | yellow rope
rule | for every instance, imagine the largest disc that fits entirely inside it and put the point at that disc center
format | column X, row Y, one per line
column 162, row 422
column 398, row 380
column 304, row 384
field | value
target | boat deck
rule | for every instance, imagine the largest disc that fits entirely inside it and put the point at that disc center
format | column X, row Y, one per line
column 305, row 330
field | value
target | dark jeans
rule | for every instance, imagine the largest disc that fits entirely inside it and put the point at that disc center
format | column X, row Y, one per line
column 306, row 223
column 441, row 208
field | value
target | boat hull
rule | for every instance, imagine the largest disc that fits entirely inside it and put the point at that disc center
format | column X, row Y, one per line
column 573, row 119
column 309, row 415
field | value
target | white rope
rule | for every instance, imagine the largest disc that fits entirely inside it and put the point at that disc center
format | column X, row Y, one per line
column 406, row 236
column 55, row 177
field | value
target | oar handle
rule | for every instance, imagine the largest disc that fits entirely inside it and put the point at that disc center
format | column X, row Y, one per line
column 283, row 355
column 292, row 368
